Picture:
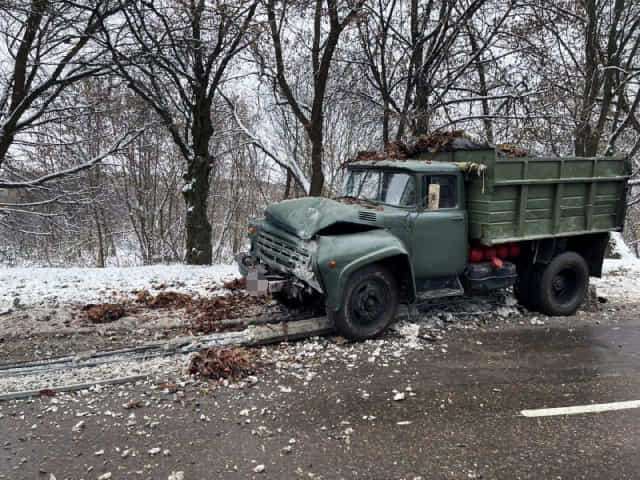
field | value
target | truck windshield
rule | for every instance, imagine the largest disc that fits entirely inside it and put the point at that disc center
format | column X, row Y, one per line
column 392, row 188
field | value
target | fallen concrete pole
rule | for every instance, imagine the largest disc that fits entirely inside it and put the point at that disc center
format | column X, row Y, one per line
column 251, row 336
column 70, row 388
column 262, row 334
column 74, row 358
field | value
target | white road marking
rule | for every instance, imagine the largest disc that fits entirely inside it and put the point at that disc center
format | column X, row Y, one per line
column 596, row 408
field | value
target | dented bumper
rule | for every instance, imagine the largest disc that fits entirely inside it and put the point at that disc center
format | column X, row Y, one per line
column 277, row 256
column 258, row 280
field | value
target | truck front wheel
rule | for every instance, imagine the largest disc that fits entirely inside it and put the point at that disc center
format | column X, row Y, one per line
column 562, row 285
column 369, row 303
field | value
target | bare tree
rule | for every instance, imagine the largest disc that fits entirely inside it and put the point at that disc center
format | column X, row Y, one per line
column 148, row 186
column 582, row 58
column 287, row 159
column 330, row 19
column 48, row 47
column 48, row 51
column 418, row 59
column 70, row 209
column 175, row 55
column 604, row 64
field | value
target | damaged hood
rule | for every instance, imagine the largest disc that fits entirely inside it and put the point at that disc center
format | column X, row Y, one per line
column 304, row 217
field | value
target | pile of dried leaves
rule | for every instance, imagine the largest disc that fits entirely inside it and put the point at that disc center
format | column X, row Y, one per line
column 163, row 299
column 211, row 310
column 367, row 155
column 219, row 363
column 437, row 142
column 104, row 313
column 398, row 150
column 512, row 151
column 235, row 284
column 359, row 201
column 205, row 313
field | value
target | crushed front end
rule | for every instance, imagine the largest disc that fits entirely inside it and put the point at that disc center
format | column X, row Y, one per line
column 279, row 262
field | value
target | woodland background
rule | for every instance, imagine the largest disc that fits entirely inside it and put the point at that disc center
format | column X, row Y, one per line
column 137, row 132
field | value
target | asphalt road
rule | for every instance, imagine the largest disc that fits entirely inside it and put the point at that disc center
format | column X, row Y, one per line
column 460, row 418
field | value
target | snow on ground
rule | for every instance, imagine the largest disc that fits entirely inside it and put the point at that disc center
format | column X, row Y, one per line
column 619, row 280
column 621, row 276
column 52, row 287
column 626, row 257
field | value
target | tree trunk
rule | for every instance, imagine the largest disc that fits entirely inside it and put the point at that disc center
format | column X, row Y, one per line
column 421, row 100
column 421, row 105
column 198, row 228
column 385, row 122
column 197, row 183
column 484, row 91
column 587, row 141
column 317, row 177
column 101, row 255
column 586, row 138
column 287, row 188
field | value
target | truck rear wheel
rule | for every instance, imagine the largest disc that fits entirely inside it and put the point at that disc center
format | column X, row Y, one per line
column 562, row 284
column 369, row 303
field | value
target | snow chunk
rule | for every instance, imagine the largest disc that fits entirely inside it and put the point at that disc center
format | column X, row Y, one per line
column 410, row 331
column 188, row 186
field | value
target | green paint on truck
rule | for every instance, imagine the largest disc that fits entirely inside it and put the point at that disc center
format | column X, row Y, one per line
column 404, row 230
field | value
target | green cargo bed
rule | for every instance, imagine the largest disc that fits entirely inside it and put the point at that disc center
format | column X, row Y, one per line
column 525, row 198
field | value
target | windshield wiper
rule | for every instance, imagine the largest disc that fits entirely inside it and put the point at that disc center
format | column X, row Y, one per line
column 346, row 196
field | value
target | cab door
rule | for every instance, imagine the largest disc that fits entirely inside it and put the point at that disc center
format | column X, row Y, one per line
column 439, row 228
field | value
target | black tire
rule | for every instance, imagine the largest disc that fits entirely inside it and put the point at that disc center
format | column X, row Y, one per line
column 369, row 303
column 562, row 284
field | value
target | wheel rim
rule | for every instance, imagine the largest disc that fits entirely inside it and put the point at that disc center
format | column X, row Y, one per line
column 564, row 285
column 369, row 302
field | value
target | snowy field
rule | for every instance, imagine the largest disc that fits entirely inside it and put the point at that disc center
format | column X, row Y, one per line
column 51, row 287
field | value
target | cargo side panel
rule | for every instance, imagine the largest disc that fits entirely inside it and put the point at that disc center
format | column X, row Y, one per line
column 525, row 198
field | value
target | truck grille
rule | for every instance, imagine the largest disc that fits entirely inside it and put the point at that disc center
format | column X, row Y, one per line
column 281, row 251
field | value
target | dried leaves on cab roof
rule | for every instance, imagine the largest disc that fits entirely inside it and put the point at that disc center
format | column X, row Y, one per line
column 512, row 150
column 436, row 142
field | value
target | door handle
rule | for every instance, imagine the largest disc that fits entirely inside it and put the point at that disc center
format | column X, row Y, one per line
column 457, row 219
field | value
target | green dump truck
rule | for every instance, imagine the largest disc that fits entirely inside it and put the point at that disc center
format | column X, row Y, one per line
column 465, row 218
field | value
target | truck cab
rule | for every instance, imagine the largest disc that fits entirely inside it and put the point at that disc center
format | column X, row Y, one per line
column 401, row 226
